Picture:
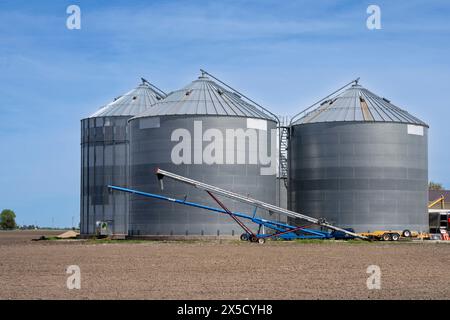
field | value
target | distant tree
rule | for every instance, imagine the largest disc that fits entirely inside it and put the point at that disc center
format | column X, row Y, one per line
column 27, row 227
column 435, row 186
column 8, row 219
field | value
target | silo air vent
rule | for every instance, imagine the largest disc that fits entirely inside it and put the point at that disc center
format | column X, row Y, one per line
column 134, row 98
column 325, row 102
column 219, row 91
column 188, row 92
column 388, row 101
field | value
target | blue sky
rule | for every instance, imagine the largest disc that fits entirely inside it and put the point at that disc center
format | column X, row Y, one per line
column 284, row 54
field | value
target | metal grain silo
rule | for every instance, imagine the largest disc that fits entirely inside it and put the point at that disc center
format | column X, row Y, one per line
column 359, row 161
column 207, row 133
column 104, row 159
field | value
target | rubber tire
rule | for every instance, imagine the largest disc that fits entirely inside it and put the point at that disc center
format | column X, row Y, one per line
column 253, row 239
column 244, row 237
column 386, row 237
column 261, row 240
column 395, row 237
column 406, row 233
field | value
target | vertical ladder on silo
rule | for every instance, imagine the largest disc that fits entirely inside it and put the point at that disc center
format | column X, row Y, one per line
column 283, row 158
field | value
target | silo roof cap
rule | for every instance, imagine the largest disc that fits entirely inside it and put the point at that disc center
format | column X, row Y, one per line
column 360, row 105
column 131, row 103
column 204, row 96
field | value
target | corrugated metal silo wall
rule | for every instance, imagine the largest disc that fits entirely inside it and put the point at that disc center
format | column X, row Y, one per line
column 104, row 153
column 368, row 176
column 151, row 147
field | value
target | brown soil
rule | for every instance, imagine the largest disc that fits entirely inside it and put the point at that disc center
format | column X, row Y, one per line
column 214, row 270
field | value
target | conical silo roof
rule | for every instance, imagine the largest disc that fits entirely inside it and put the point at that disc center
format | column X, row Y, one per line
column 131, row 103
column 358, row 104
column 205, row 97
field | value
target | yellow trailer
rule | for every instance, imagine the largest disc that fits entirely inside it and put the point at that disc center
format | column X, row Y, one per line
column 393, row 235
